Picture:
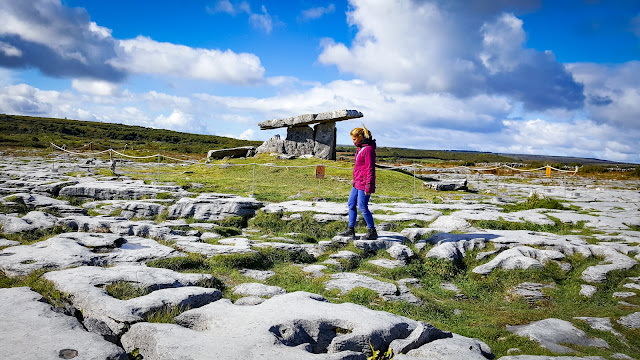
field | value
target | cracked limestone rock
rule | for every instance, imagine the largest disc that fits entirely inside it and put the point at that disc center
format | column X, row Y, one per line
column 298, row 325
column 550, row 333
column 110, row 316
column 31, row 329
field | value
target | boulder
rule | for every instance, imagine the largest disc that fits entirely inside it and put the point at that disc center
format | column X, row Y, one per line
column 613, row 260
column 257, row 289
column 34, row 220
column 450, row 348
column 550, row 333
column 631, row 321
column 520, row 257
column 448, row 185
column 454, row 251
column 236, row 152
column 31, row 329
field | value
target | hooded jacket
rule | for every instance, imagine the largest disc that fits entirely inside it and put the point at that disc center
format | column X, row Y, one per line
column 364, row 169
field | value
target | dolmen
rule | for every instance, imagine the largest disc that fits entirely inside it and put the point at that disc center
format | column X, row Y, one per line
column 302, row 139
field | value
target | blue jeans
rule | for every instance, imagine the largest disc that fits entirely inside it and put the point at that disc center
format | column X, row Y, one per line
column 358, row 200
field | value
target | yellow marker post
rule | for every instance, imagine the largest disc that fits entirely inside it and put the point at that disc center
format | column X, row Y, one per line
column 548, row 171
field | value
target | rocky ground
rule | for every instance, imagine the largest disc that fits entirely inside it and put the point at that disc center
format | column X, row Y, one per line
column 68, row 238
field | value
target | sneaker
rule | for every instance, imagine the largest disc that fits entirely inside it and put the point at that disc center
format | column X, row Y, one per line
column 371, row 234
column 349, row 232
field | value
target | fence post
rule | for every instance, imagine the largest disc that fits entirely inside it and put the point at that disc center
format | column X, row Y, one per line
column 158, row 167
column 414, row 181
column 253, row 185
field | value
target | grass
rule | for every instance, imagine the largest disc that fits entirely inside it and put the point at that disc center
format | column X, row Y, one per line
column 559, row 227
column 535, row 201
column 124, row 290
column 37, row 283
column 36, row 235
column 235, row 176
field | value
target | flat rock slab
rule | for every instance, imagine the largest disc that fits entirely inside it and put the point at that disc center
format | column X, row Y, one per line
column 454, row 348
column 210, row 250
column 34, row 220
column 521, row 257
column 550, row 333
column 110, row 316
column 257, row 274
column 308, row 119
column 346, row 282
column 631, row 321
column 5, row 242
column 54, row 253
column 32, row 330
column 212, row 207
column 242, row 151
column 296, row 326
column 530, row 291
column 257, row 289
column 602, row 324
column 613, row 260
column 544, row 357
column 78, row 249
column 107, row 190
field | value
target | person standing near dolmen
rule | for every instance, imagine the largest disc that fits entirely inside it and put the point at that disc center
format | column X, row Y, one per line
column 364, row 182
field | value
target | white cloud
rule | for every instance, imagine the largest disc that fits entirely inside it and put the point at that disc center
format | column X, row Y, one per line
column 95, row 87
column 248, row 134
column 10, row 50
column 613, row 92
column 427, row 47
column 144, row 56
column 262, row 21
column 318, row 12
column 225, row 6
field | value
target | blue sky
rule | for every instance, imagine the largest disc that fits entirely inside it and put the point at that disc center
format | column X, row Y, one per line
column 514, row 76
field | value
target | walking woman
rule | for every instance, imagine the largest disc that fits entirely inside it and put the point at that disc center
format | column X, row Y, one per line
column 364, row 182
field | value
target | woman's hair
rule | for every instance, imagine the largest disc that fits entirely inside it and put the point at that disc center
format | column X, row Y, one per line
column 363, row 131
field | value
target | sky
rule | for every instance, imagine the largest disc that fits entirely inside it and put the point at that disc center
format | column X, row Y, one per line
column 543, row 77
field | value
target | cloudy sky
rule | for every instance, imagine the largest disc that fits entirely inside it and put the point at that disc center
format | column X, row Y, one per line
column 516, row 76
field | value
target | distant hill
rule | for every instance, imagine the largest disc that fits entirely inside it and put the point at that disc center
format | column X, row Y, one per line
column 38, row 132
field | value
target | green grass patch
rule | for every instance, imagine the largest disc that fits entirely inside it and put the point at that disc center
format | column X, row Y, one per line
column 39, row 284
column 535, row 201
column 124, row 290
column 166, row 314
column 559, row 227
column 37, row 235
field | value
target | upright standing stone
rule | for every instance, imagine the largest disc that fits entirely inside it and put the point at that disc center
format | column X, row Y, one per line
column 325, row 141
column 299, row 140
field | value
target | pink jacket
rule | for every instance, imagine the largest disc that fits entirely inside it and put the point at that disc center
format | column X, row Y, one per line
column 364, row 169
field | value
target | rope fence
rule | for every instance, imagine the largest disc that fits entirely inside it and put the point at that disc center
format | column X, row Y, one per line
column 410, row 170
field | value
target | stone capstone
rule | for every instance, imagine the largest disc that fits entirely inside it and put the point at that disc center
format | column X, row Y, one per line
column 308, row 119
